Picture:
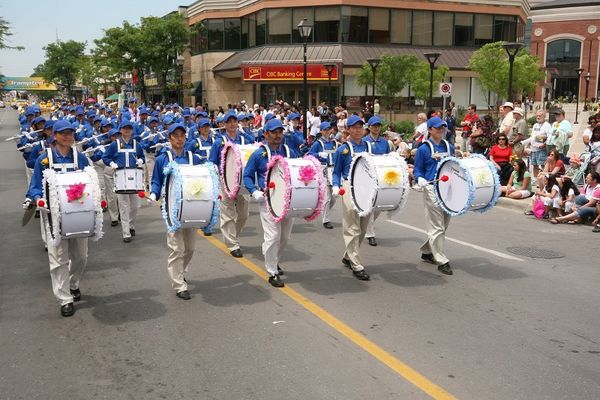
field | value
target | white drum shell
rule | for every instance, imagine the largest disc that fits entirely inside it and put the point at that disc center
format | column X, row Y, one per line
column 77, row 218
column 129, row 180
column 232, row 174
column 194, row 211
column 303, row 199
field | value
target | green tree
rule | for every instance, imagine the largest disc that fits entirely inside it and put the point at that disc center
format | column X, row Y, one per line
column 5, row 32
column 63, row 63
column 420, row 77
column 38, row 71
column 491, row 63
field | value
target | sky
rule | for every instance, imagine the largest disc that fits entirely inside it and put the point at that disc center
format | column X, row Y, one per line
column 36, row 23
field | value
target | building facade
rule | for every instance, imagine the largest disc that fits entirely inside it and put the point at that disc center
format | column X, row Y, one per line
column 565, row 35
column 251, row 49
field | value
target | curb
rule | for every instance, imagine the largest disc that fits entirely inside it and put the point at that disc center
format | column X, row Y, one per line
column 515, row 205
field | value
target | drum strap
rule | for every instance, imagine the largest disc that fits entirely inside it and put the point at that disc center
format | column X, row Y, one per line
column 227, row 139
column 205, row 148
column 351, row 147
column 329, row 156
column 120, row 143
column 62, row 167
column 268, row 151
column 447, row 153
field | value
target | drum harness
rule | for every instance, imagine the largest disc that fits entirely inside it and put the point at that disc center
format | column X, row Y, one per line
column 190, row 157
column 62, row 167
column 329, row 159
column 227, row 139
column 126, row 152
column 205, row 148
column 268, row 151
column 369, row 149
column 438, row 156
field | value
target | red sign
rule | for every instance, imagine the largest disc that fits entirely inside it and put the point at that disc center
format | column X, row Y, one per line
column 288, row 72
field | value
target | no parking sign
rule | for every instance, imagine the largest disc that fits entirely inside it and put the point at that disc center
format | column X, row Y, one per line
column 445, row 89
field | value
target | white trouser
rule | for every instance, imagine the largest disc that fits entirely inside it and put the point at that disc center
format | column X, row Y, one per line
column 99, row 167
column 111, row 196
column 328, row 204
column 149, row 165
column 437, row 222
column 43, row 231
column 371, row 226
column 354, row 227
column 234, row 214
column 128, row 207
column 67, row 262
column 276, row 237
column 28, row 173
column 181, row 244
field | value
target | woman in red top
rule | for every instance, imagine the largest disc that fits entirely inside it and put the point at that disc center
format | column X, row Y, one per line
column 500, row 155
column 554, row 165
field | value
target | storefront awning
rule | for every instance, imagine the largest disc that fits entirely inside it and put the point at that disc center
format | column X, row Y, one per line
column 196, row 90
column 348, row 55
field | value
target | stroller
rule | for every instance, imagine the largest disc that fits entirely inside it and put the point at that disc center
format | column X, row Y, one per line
column 578, row 168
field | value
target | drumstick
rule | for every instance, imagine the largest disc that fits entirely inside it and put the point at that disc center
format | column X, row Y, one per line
column 443, row 178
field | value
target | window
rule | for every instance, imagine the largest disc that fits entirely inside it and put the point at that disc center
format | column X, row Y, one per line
column 251, row 30
column 379, row 25
column 280, row 25
column 232, row 33
column 484, row 29
column 442, row 34
column 244, row 37
column 327, row 24
column 401, row 26
column 422, row 28
column 215, row 34
column 298, row 14
column 355, row 24
column 261, row 27
column 505, row 28
column 463, row 30
column 563, row 51
column 199, row 42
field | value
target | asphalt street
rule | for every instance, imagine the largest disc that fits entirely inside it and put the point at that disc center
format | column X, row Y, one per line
column 504, row 326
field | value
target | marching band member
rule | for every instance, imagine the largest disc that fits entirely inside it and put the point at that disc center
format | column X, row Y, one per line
column 379, row 145
column 141, row 126
column 293, row 136
column 320, row 149
column 276, row 234
column 234, row 212
column 67, row 259
column 125, row 153
column 203, row 143
column 427, row 158
column 354, row 225
column 112, row 202
column 182, row 242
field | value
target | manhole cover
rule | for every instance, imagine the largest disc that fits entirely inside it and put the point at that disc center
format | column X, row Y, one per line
column 534, row 253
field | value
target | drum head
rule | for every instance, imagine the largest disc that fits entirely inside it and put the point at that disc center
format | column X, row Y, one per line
column 277, row 195
column 169, row 200
column 363, row 180
column 231, row 174
column 453, row 194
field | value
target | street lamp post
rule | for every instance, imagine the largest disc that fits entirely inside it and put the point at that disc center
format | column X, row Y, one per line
column 511, row 49
column 579, row 71
column 588, row 76
column 374, row 63
column 330, row 68
column 305, row 30
column 431, row 58
column 179, row 61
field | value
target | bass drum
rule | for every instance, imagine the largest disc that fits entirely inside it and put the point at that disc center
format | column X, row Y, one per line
column 233, row 160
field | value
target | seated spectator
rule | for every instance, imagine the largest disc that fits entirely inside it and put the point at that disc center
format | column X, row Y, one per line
column 568, row 191
column 519, row 183
column 481, row 138
column 554, row 165
column 594, row 146
column 597, row 220
column 549, row 194
column 500, row 157
column 585, row 207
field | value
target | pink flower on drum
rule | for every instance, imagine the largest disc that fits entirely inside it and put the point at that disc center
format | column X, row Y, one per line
column 76, row 192
column 307, row 173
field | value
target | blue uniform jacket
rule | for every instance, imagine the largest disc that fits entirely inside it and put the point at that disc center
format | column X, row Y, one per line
column 215, row 150
column 343, row 159
column 379, row 145
column 158, row 175
column 256, row 167
column 36, row 188
column 425, row 165
column 112, row 154
column 38, row 149
column 320, row 146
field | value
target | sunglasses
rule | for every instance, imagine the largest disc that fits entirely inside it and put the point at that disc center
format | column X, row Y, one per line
column 499, row 139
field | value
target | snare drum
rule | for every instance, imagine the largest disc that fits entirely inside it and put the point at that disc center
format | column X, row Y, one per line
column 74, row 203
column 378, row 183
column 233, row 160
column 473, row 185
column 129, row 180
column 298, row 188
column 191, row 194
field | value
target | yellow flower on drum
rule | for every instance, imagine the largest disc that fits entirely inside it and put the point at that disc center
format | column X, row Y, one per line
column 194, row 189
column 482, row 177
column 246, row 155
column 264, row 154
column 391, row 177
column 45, row 161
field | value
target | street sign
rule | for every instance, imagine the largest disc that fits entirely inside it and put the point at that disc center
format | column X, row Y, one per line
column 445, row 89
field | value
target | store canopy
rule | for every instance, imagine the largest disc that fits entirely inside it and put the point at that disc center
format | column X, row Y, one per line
column 32, row 83
column 196, row 90
column 114, row 96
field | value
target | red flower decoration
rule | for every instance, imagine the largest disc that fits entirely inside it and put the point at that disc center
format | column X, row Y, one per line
column 75, row 192
column 307, row 173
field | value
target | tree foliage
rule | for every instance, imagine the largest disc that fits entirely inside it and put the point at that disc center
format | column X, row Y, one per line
column 63, row 63
column 491, row 63
column 420, row 77
column 5, row 32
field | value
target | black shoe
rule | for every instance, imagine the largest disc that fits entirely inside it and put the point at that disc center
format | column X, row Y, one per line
column 372, row 241
column 207, row 233
column 280, row 271
column 327, row 225
column 76, row 293
column 132, row 232
column 46, row 249
column 276, row 281
column 596, row 228
column 67, row 310
column 237, row 253
column 37, row 214
column 114, row 223
column 346, row 263
column 105, row 209
column 127, row 239
column 185, row 295
column 445, row 269
column 428, row 257
column 361, row 275
column 529, row 212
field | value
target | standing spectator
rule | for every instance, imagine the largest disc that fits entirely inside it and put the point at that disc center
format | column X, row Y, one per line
column 540, row 133
column 481, row 138
column 451, row 129
column 508, row 120
column 519, row 183
column 452, row 106
column 341, row 121
column 500, row 156
column 587, row 133
column 471, row 118
column 420, row 131
column 376, row 107
column 518, row 133
column 561, row 129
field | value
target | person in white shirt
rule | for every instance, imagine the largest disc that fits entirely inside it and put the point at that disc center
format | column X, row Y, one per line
column 539, row 134
column 421, row 130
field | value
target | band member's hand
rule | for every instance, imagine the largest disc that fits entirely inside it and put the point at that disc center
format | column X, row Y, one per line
column 323, row 154
column 152, row 198
column 335, row 191
column 422, row 182
column 258, row 195
column 139, row 162
column 113, row 165
column 26, row 203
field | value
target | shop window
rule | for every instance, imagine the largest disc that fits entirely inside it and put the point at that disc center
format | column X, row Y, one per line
column 298, row 14
column 505, row 28
column 261, row 27
column 401, row 26
column 355, row 24
column 379, row 25
column 484, row 29
column 463, row 30
column 442, row 34
column 232, row 33
column 244, row 37
column 199, row 41
column 280, row 25
column 215, row 34
column 422, row 28
column 327, row 24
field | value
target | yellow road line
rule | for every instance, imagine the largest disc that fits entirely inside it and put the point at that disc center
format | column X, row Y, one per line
column 392, row 362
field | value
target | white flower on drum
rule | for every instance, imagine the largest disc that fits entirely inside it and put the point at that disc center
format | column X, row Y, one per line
column 194, row 188
column 482, row 178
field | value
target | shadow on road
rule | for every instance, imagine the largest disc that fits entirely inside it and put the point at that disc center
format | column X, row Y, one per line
column 231, row 291
column 120, row 308
column 483, row 268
